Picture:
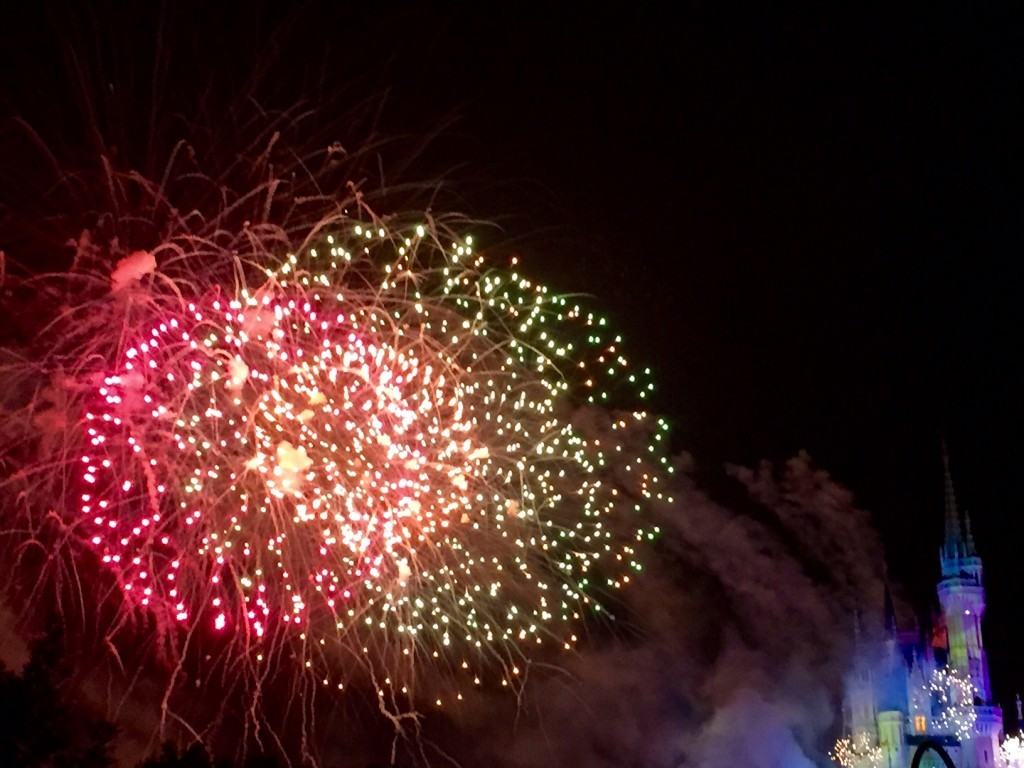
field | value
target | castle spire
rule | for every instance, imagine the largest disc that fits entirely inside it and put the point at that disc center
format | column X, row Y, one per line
column 969, row 536
column 962, row 595
column 890, row 612
column 954, row 547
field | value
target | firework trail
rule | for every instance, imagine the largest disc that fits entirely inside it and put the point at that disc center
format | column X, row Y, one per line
column 316, row 439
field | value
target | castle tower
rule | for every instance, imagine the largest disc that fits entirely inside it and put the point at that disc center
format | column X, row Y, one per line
column 892, row 691
column 891, row 738
column 962, row 597
column 892, row 685
column 859, row 702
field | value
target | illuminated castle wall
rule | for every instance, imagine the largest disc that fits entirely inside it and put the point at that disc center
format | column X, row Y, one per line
column 890, row 697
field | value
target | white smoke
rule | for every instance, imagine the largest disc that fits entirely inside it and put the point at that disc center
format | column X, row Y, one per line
column 736, row 641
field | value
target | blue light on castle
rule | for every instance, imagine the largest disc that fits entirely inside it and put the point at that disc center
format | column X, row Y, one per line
column 907, row 688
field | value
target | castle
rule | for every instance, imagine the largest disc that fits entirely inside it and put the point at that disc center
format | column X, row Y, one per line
column 906, row 688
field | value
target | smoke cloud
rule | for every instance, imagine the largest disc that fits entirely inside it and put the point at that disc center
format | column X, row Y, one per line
column 736, row 640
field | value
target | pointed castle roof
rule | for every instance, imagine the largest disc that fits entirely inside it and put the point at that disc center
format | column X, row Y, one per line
column 959, row 541
column 890, row 612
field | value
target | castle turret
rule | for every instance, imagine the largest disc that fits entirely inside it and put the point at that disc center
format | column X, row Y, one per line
column 859, row 706
column 962, row 597
column 891, row 687
column 892, row 691
column 891, row 738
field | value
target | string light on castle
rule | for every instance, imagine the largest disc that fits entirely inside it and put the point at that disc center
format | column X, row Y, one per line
column 954, row 693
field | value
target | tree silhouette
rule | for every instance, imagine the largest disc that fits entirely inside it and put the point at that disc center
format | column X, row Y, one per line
column 42, row 722
column 196, row 756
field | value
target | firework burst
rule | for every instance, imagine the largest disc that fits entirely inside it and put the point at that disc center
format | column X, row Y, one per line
column 858, row 751
column 371, row 445
column 351, row 445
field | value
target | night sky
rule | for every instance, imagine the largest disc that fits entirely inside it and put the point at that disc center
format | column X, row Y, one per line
column 809, row 224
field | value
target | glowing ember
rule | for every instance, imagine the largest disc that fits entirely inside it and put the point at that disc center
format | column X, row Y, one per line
column 860, row 751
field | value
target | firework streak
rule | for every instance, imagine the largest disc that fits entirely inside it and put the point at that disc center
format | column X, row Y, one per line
column 379, row 448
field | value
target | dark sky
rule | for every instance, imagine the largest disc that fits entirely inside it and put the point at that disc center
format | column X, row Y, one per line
column 810, row 224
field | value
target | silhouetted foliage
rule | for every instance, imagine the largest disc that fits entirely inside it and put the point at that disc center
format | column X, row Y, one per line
column 196, row 756
column 41, row 722
column 193, row 757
